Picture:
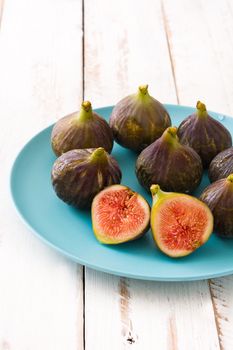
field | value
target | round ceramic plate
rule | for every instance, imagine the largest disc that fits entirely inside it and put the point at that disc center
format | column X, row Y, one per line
column 70, row 230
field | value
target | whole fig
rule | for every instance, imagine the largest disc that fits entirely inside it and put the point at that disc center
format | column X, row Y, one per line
column 204, row 134
column 83, row 129
column 222, row 165
column 78, row 175
column 175, row 167
column 138, row 120
column 219, row 198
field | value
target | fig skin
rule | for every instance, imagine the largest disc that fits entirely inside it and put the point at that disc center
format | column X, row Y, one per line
column 138, row 120
column 175, row 167
column 78, row 175
column 222, row 165
column 79, row 130
column 204, row 134
column 219, row 198
column 175, row 234
column 124, row 206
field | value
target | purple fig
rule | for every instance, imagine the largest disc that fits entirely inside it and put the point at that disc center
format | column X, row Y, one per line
column 78, row 175
column 138, row 120
column 219, row 198
column 204, row 134
column 175, row 167
column 83, row 129
column 222, row 165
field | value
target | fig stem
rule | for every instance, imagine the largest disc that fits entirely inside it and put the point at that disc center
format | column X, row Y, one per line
column 170, row 135
column 201, row 109
column 156, row 192
column 154, row 189
column 230, row 178
column 143, row 89
column 85, row 111
column 99, row 155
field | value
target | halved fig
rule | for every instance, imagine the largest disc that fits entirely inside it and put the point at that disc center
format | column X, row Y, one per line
column 180, row 223
column 119, row 215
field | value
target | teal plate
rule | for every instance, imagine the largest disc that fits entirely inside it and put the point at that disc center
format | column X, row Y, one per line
column 70, row 231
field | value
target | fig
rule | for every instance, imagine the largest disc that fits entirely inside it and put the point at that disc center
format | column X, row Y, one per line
column 119, row 215
column 219, row 198
column 78, row 175
column 222, row 165
column 204, row 134
column 173, row 166
column 138, row 120
column 83, row 129
column 180, row 223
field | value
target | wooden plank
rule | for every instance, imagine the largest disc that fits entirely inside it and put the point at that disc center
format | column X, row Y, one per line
column 122, row 51
column 1, row 10
column 203, row 69
column 41, row 293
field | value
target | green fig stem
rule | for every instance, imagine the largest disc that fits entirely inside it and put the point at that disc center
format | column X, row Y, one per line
column 143, row 89
column 143, row 93
column 154, row 189
column 230, row 178
column 156, row 192
column 170, row 136
column 99, row 155
column 85, row 111
column 201, row 109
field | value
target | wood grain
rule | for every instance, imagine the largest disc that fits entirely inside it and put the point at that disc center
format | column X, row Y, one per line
column 203, row 70
column 41, row 293
column 1, row 10
column 183, row 58
column 122, row 51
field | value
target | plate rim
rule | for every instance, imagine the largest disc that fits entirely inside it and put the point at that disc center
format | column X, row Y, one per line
column 85, row 263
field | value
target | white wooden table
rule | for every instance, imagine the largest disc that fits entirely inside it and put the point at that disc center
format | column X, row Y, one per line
column 54, row 53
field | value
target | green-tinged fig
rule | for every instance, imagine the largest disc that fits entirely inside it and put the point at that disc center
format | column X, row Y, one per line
column 222, row 165
column 78, row 175
column 138, row 120
column 83, row 129
column 204, row 134
column 219, row 198
column 173, row 166
column 119, row 215
column 180, row 223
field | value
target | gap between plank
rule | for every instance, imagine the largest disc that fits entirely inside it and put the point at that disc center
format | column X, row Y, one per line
column 167, row 33
column 217, row 316
column 83, row 96
column 83, row 49
column 1, row 10
column 84, row 302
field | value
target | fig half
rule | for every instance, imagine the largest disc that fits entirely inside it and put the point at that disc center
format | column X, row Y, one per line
column 119, row 215
column 219, row 198
column 83, row 129
column 173, row 166
column 222, row 165
column 204, row 134
column 78, row 175
column 138, row 120
column 180, row 223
